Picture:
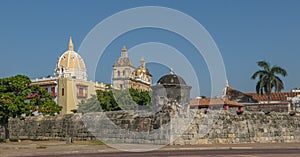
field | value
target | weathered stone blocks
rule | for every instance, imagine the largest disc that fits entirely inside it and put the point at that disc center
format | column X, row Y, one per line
column 159, row 128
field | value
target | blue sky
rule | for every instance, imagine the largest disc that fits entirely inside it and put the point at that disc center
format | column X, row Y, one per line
column 34, row 34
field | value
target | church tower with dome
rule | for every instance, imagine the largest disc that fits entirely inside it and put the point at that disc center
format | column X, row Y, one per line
column 69, row 85
column 122, row 71
column 125, row 75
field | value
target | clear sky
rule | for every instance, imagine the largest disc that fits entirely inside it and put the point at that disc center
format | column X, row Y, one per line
column 34, row 34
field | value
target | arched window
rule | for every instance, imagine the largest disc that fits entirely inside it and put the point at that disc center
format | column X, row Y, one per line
column 118, row 73
column 123, row 72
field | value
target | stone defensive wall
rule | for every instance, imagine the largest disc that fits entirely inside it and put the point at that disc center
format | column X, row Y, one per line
column 194, row 127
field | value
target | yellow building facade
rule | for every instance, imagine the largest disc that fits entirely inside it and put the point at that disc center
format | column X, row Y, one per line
column 69, row 86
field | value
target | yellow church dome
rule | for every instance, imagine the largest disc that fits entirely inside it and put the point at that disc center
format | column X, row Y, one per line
column 71, row 65
column 142, row 69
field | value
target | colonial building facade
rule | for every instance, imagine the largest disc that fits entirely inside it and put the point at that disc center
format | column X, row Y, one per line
column 69, row 84
column 125, row 75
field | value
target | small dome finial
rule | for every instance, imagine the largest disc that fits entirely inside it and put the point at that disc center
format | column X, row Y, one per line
column 124, row 52
column 71, row 46
column 171, row 71
column 227, row 84
column 124, row 49
column 143, row 61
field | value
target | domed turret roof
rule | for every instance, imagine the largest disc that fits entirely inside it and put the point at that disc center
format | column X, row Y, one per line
column 70, row 64
column 171, row 79
column 72, row 60
column 142, row 69
column 123, row 60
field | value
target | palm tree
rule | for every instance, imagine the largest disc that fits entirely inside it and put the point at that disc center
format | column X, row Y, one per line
column 268, row 78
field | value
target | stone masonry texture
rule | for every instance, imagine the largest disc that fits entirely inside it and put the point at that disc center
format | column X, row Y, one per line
column 221, row 127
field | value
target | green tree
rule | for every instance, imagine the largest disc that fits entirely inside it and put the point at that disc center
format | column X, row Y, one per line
column 107, row 101
column 13, row 102
column 268, row 78
column 142, row 98
column 124, row 99
column 113, row 100
column 43, row 101
column 132, row 99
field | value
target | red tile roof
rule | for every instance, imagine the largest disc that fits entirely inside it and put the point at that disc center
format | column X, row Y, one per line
column 238, row 96
column 205, row 102
column 276, row 96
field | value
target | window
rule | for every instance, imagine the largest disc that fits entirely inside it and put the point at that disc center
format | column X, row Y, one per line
column 121, row 86
column 62, row 92
column 82, row 91
column 118, row 73
column 123, row 72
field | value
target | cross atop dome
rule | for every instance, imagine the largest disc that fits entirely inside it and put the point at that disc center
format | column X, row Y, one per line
column 71, row 46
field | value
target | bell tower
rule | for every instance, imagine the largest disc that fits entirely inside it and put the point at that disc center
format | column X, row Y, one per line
column 122, row 70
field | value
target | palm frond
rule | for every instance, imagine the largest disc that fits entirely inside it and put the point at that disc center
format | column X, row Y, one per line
column 260, row 86
column 278, row 70
column 278, row 84
column 259, row 73
column 265, row 65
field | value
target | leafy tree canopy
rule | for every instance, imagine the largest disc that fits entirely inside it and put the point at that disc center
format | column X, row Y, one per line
column 13, row 101
column 113, row 100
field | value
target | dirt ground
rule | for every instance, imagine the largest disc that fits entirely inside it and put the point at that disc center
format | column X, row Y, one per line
column 27, row 147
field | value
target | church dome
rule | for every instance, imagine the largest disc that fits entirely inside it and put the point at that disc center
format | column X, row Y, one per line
column 70, row 64
column 171, row 79
column 142, row 69
column 123, row 61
